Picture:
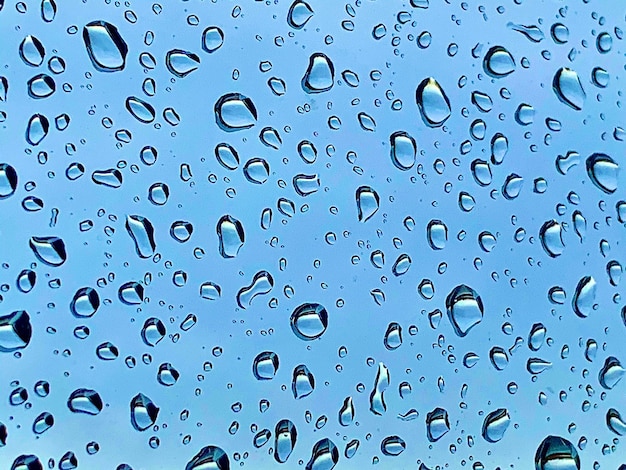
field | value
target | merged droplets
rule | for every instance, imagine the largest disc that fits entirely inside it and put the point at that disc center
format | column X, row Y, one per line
column 432, row 102
column 105, row 46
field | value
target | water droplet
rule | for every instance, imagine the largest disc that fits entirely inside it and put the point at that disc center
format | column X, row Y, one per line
column 403, row 150
column 584, row 296
column 367, row 202
column 140, row 110
column 495, row 425
column 568, row 89
column 15, row 331
column 498, row 62
column 465, row 309
column 49, row 250
column 392, row 446
column 437, row 424
column 265, row 365
column 141, row 231
column 85, row 401
column 309, row 321
column 181, row 63
column 299, row 14
column 320, row 74
column 8, row 180
column 432, row 102
column 143, row 412
column 85, row 302
column 285, row 435
column 209, row 457
column 303, row 382
column 32, row 51
column 234, row 112
column 556, row 452
column 105, row 46
column 212, row 39
column 603, row 172
column 611, row 373
column 37, row 129
column 324, row 456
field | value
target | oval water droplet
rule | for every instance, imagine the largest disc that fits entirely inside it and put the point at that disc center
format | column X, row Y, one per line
column 495, row 425
column 324, row 456
column 299, row 14
column 212, row 39
column 85, row 302
column 32, row 51
column 181, row 63
column 234, row 112
column 432, row 102
column 603, row 172
column 568, row 89
column 230, row 235
column 285, row 438
column 265, row 365
column 143, row 412
column 437, row 424
column 465, row 309
column 584, row 297
column 403, row 150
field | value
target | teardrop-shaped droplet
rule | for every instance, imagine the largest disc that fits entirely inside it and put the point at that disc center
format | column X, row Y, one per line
column 392, row 446
column 105, row 46
column 568, row 89
column 319, row 75
column 49, row 250
column 227, row 156
column 498, row 62
column 15, row 331
column 432, row 102
column 603, row 172
column 377, row 397
column 234, row 112
column 367, row 202
column 85, row 401
column 141, row 231
column 143, row 412
column 465, row 309
column 309, row 321
column 299, row 14
column 181, row 63
column 346, row 413
column 556, row 452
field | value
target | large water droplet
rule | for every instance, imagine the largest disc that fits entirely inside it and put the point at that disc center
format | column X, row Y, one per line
column 367, row 201
column 85, row 302
column 143, row 412
column 584, row 296
column 568, row 89
column 432, row 102
column 230, row 235
column 209, row 457
column 49, row 250
column 32, row 51
column 299, row 14
column 105, row 46
column 85, row 401
column 302, row 383
column 285, row 435
column 15, row 331
column 181, row 63
column 141, row 231
column 309, row 321
column 498, row 62
column 556, row 452
column 265, row 365
column 319, row 75
column 403, row 150
column 437, row 424
column 8, row 180
column 234, row 112
column 465, row 309
column 603, row 172
column 324, row 456
column 495, row 425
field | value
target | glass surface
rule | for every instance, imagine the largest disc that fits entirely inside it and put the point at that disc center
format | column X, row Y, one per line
column 312, row 234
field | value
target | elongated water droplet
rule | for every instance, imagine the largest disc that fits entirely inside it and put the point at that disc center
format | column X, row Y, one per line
column 8, row 180
column 377, row 397
column 495, row 425
column 181, row 63
column 432, row 102
column 212, row 39
column 615, row 422
column 568, row 89
column 105, row 46
column 230, row 235
column 140, row 109
column 611, row 373
column 262, row 283
column 584, row 296
column 32, row 51
column 437, row 424
column 141, row 231
column 367, row 202
column 306, row 185
column 302, row 383
column 403, row 150
column 285, row 435
column 37, row 129
column 551, row 236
